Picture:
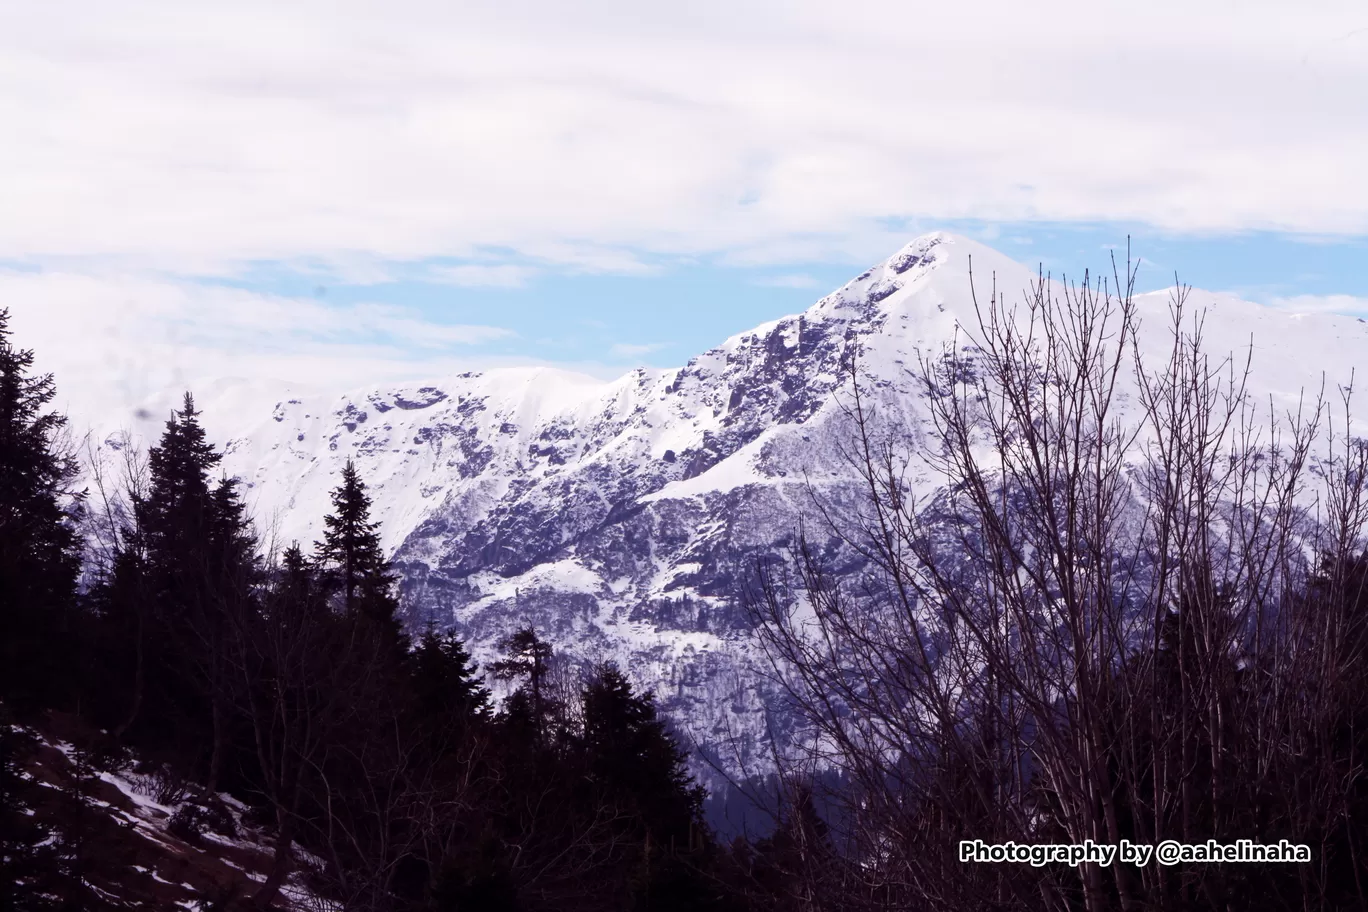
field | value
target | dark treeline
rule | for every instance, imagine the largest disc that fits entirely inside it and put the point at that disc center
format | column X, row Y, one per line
column 1138, row 611
column 148, row 608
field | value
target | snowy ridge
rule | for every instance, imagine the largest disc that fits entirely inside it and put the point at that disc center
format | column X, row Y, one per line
column 623, row 518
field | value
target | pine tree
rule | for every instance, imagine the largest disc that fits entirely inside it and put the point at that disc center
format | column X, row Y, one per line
column 297, row 582
column 180, row 588
column 446, row 681
column 39, row 557
column 353, row 563
column 174, row 520
column 633, row 754
column 527, row 657
column 178, row 510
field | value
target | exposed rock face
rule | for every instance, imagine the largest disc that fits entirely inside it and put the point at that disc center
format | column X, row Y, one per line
column 624, row 519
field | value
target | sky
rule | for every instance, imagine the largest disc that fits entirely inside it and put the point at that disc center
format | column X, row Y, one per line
column 239, row 196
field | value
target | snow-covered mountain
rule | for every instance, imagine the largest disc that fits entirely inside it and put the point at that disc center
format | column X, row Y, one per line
column 624, row 518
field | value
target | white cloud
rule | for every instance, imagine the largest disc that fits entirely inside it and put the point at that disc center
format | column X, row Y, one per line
column 197, row 135
column 798, row 280
column 123, row 344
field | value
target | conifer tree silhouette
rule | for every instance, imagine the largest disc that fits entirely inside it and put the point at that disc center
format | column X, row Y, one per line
column 354, row 565
column 39, row 557
column 192, row 560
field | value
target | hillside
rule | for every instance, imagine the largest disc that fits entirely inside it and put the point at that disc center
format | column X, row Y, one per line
column 128, row 834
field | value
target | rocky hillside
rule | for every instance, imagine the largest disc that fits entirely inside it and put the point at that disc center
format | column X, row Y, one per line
column 128, row 834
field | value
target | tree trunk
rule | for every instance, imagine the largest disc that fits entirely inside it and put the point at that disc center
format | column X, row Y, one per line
column 138, row 681
column 216, row 751
column 281, row 863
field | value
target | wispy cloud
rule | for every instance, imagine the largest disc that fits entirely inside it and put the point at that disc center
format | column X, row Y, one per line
column 1335, row 303
column 476, row 275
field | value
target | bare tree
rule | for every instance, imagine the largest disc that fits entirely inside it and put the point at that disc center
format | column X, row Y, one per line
column 1084, row 634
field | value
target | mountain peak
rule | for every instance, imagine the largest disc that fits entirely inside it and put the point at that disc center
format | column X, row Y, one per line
column 938, row 258
column 924, row 249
